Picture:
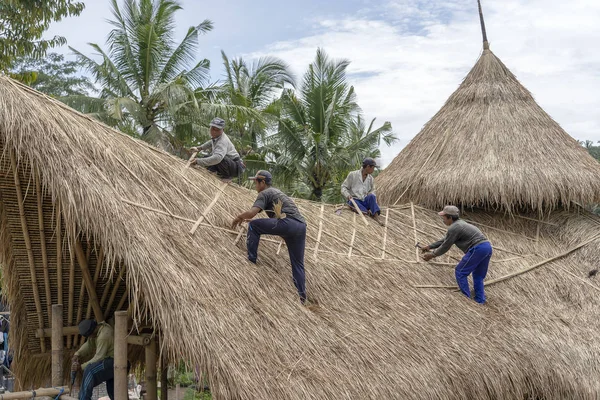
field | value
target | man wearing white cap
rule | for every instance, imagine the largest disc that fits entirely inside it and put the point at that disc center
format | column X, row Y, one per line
column 224, row 159
column 477, row 249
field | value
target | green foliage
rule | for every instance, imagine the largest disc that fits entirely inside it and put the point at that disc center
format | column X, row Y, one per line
column 23, row 22
column 593, row 150
column 191, row 394
column 321, row 134
column 53, row 75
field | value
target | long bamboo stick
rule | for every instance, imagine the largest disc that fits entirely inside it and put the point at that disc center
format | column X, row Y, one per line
column 71, row 286
column 414, row 221
column 99, row 262
column 207, row 210
column 189, row 162
column 353, row 235
column 87, row 280
column 38, row 192
column 59, row 254
column 385, row 230
column 319, row 233
column 364, row 219
column 25, row 228
column 114, row 291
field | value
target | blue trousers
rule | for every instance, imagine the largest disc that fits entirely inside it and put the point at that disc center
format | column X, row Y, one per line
column 293, row 233
column 368, row 204
column 96, row 373
column 476, row 262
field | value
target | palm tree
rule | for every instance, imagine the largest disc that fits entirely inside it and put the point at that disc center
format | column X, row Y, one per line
column 254, row 86
column 321, row 134
column 150, row 84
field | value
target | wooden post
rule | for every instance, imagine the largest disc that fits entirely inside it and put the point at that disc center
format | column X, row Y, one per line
column 414, row 221
column 164, row 375
column 120, row 355
column 385, row 229
column 320, row 232
column 57, row 345
column 151, row 359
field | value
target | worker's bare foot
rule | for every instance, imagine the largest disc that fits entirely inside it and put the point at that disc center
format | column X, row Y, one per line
column 377, row 219
column 226, row 180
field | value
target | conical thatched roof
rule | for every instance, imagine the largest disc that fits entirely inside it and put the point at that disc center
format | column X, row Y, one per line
column 492, row 145
column 377, row 335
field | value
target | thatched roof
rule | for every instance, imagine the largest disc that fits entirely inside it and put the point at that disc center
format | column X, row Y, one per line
column 492, row 145
column 376, row 336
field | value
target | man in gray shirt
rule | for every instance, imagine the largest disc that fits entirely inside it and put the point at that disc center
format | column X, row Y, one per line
column 477, row 249
column 224, row 159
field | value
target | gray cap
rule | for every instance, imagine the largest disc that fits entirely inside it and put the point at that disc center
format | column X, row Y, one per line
column 369, row 161
column 449, row 210
column 218, row 123
column 264, row 175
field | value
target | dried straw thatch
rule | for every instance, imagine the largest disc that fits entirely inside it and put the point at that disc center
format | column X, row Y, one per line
column 491, row 144
column 376, row 335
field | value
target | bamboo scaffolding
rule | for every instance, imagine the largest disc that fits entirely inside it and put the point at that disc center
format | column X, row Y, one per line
column 353, row 235
column 25, row 228
column 207, row 210
column 315, row 253
column 38, row 192
column 385, row 231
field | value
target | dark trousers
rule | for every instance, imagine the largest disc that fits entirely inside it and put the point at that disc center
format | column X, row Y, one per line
column 95, row 374
column 226, row 169
column 476, row 262
column 294, row 234
column 368, row 204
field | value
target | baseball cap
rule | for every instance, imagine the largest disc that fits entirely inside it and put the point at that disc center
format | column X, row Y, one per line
column 369, row 161
column 264, row 175
column 87, row 326
column 449, row 210
column 218, row 123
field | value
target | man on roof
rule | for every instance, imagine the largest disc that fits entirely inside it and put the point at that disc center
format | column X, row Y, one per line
column 284, row 220
column 477, row 249
column 359, row 188
column 224, row 160
column 99, row 351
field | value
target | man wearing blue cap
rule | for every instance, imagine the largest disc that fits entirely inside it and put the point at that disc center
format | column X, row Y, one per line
column 224, row 159
column 284, row 220
column 99, row 349
column 360, row 187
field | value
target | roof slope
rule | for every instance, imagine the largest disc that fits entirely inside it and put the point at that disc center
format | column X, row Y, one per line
column 492, row 144
column 376, row 336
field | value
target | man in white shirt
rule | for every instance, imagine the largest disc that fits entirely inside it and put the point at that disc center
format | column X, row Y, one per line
column 224, row 159
column 360, row 186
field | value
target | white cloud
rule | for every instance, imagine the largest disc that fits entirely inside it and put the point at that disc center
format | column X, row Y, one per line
column 405, row 77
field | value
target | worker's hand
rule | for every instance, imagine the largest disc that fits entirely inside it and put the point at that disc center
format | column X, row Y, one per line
column 75, row 365
column 238, row 220
column 428, row 256
column 350, row 198
column 193, row 162
column 194, row 149
column 424, row 248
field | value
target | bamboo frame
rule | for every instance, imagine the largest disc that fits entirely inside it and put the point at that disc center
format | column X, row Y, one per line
column 414, row 221
column 319, row 233
column 59, row 253
column 207, row 210
column 38, row 192
column 151, row 359
column 353, row 236
column 32, row 394
column 25, row 228
column 385, row 230
column 113, row 294
column 87, row 280
column 120, row 374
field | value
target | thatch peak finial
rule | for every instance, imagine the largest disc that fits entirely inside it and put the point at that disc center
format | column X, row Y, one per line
column 486, row 44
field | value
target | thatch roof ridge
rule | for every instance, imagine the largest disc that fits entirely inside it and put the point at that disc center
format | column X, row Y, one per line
column 492, row 145
column 376, row 336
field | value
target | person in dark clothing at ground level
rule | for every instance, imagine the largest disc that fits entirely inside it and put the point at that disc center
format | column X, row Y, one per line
column 99, row 349
column 224, row 159
column 285, row 221
column 477, row 249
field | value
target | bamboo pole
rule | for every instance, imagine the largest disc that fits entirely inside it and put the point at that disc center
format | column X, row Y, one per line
column 385, row 230
column 87, row 280
column 239, row 236
column 99, row 262
column 71, row 288
column 319, row 233
column 353, row 235
column 59, row 254
column 189, row 162
column 123, row 299
column 414, row 221
column 57, row 345
column 164, row 384
column 359, row 212
column 114, row 291
column 279, row 246
column 38, row 192
column 31, row 394
column 151, row 359
column 120, row 374
column 25, row 228
column 207, row 210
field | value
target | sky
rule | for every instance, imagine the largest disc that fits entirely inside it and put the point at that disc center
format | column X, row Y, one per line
column 407, row 56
